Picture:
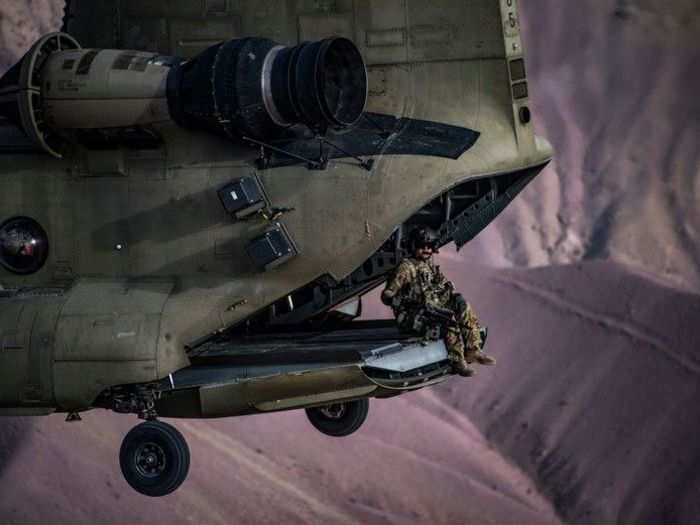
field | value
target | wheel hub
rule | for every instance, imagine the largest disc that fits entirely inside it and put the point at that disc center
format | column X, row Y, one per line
column 335, row 411
column 150, row 460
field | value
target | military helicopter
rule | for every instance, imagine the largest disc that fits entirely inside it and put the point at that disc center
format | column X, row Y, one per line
column 194, row 197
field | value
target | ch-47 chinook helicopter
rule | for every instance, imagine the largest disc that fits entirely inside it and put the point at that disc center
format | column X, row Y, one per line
column 194, row 196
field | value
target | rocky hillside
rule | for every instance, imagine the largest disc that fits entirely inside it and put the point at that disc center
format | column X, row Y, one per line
column 415, row 460
column 614, row 87
column 586, row 419
column 597, row 381
column 22, row 22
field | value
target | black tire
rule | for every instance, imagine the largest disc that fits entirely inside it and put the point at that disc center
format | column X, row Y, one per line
column 339, row 419
column 154, row 458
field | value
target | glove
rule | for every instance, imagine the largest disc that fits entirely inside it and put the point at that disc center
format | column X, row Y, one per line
column 387, row 298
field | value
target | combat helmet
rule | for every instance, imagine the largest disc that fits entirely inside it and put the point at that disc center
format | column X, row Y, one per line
column 423, row 236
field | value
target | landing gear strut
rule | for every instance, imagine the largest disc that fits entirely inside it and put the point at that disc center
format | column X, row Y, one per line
column 154, row 458
column 339, row 419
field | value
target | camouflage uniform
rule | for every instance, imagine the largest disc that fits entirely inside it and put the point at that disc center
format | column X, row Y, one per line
column 416, row 283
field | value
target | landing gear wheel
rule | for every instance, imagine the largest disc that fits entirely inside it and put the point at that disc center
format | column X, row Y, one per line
column 339, row 419
column 154, row 458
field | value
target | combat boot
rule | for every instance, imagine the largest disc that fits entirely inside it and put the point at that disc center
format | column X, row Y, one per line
column 483, row 359
column 462, row 368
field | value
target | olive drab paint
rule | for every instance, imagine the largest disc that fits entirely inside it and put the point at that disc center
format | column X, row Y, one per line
column 144, row 259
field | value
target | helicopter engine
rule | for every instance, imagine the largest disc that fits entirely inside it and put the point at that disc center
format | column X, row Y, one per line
column 242, row 88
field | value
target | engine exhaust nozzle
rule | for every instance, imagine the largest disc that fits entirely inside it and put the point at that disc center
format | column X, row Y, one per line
column 255, row 87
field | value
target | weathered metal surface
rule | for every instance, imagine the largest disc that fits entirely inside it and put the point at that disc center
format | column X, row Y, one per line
column 129, row 211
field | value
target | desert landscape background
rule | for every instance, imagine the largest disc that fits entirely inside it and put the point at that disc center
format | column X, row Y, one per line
column 615, row 88
column 589, row 282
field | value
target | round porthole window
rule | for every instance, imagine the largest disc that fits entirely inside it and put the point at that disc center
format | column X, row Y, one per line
column 24, row 245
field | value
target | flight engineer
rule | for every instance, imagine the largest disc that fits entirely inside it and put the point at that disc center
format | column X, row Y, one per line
column 422, row 297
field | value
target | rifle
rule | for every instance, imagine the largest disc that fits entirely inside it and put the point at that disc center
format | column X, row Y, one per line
column 438, row 314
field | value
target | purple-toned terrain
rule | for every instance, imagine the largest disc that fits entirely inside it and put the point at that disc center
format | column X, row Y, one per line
column 589, row 284
column 615, row 86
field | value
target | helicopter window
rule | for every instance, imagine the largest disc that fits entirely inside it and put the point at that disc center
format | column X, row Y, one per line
column 24, row 245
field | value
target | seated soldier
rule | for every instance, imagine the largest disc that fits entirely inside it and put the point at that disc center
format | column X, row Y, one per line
column 418, row 289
